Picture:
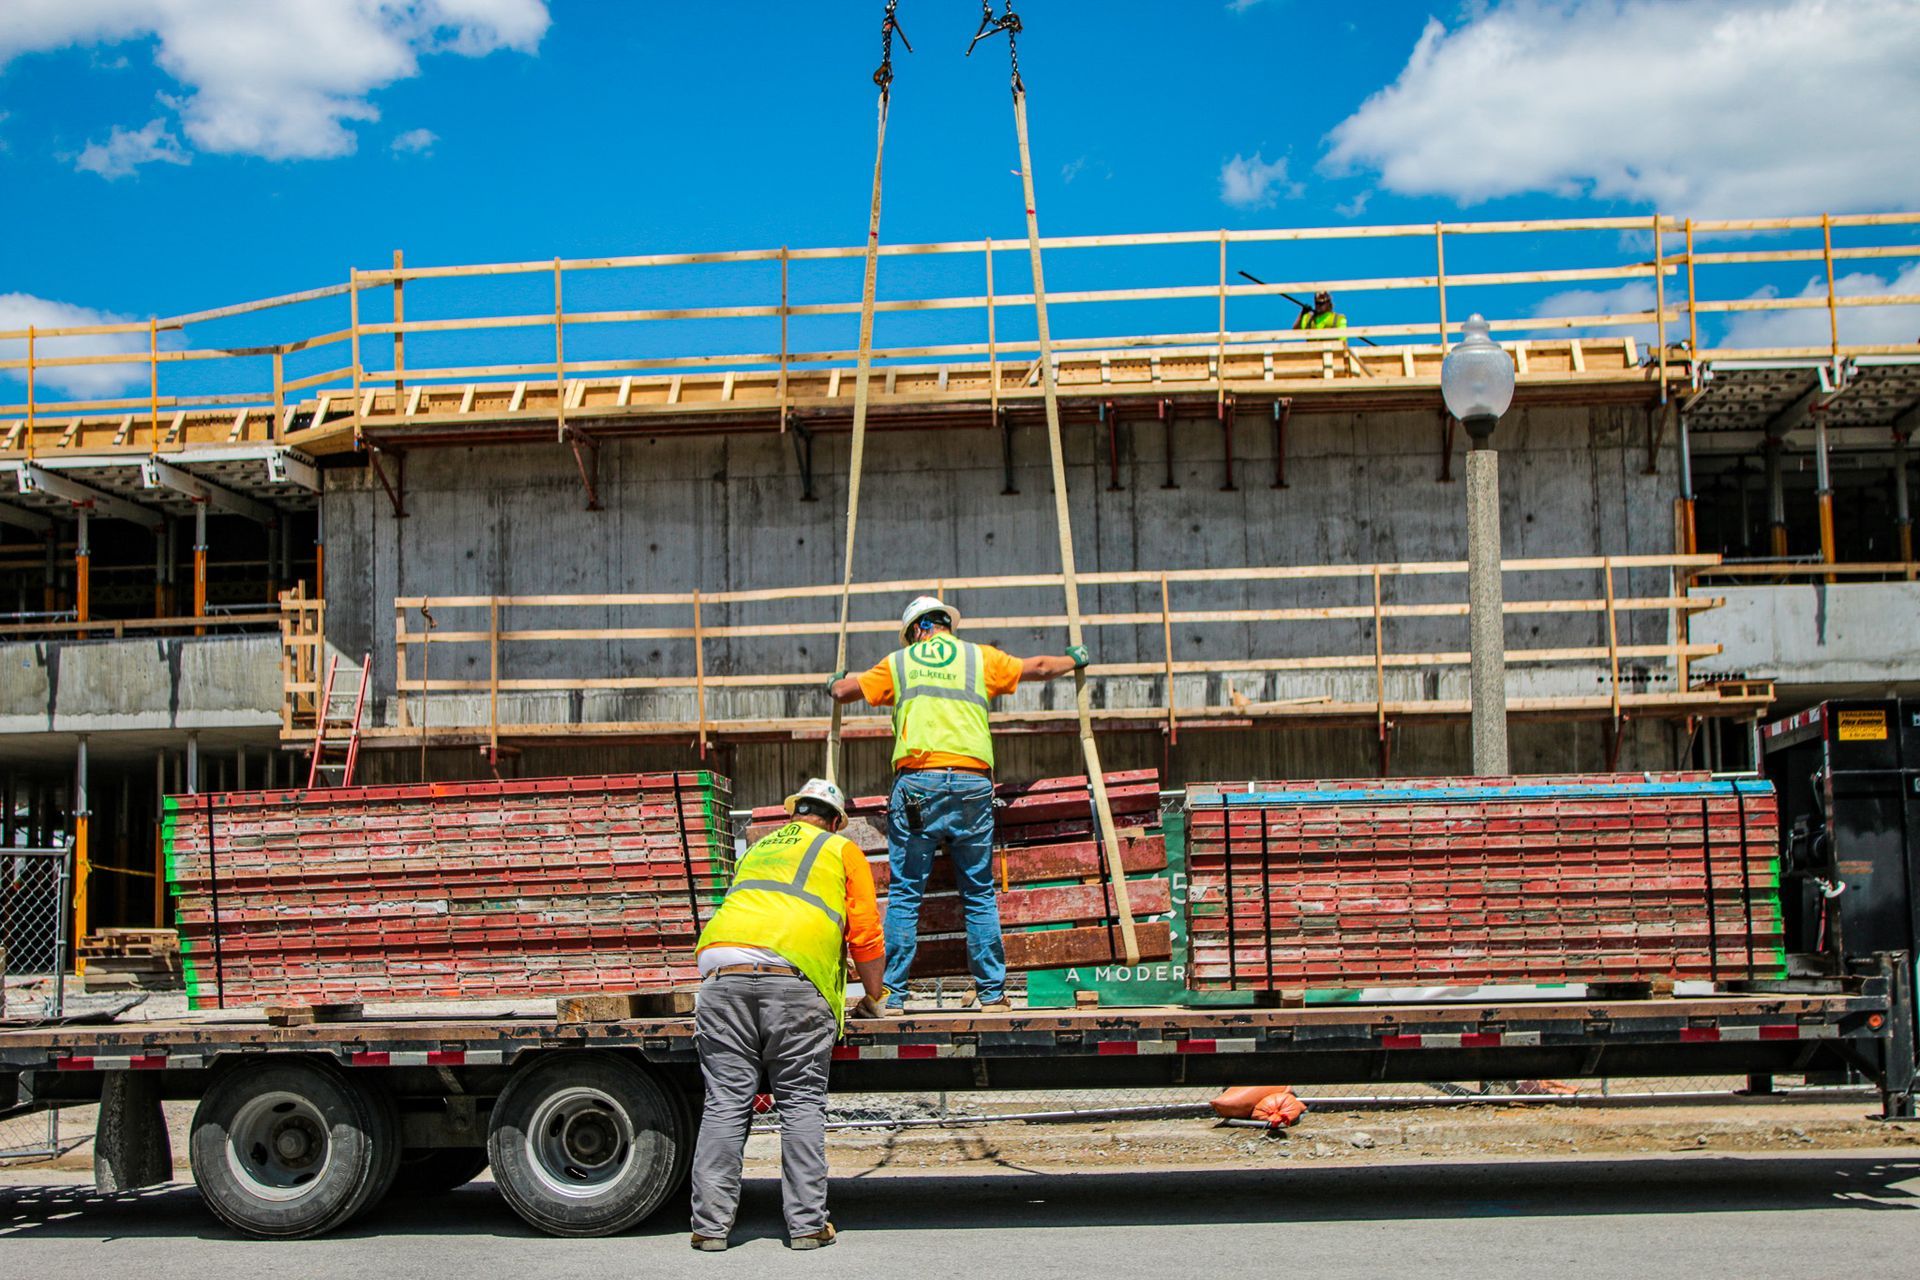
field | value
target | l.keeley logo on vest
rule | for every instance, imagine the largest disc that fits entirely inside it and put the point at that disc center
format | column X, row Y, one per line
column 937, row 652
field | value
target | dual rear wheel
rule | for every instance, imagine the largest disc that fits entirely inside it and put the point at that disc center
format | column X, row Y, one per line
column 581, row 1144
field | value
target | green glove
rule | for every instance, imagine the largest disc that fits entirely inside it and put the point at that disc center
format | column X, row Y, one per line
column 833, row 680
column 1079, row 655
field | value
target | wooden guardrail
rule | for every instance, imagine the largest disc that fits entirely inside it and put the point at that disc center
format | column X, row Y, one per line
column 263, row 371
column 439, row 639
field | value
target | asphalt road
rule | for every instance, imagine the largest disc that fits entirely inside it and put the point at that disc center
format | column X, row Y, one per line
column 1799, row 1216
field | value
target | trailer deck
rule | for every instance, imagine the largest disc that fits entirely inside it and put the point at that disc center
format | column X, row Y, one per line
column 1721, row 1034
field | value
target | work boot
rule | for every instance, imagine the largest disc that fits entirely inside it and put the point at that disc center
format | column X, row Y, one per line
column 818, row 1240
column 709, row 1244
column 896, row 1011
column 1002, row 1005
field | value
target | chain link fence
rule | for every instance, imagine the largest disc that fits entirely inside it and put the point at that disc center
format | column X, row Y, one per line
column 33, row 950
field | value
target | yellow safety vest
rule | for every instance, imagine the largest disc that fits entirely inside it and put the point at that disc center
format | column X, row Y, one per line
column 789, row 895
column 940, row 699
column 1331, row 320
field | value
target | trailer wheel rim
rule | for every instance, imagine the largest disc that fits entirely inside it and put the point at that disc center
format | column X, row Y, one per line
column 580, row 1142
column 279, row 1146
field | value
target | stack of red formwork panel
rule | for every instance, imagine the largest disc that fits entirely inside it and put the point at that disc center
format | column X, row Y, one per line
column 1056, row 903
column 482, row 890
column 1469, row 881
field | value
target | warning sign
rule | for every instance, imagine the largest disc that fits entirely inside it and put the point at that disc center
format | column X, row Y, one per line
column 1863, row 726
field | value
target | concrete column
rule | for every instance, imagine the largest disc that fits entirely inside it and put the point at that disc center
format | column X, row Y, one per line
column 1688, row 538
column 1824, row 490
column 193, row 763
column 1486, row 623
column 1776, row 501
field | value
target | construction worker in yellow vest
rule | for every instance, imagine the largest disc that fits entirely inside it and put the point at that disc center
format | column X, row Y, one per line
column 1321, row 315
column 772, row 1001
column 940, row 688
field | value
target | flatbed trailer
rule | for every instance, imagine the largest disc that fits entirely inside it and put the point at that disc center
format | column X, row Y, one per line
column 589, row 1126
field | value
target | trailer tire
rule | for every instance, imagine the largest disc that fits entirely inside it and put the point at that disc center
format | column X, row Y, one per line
column 287, row 1148
column 434, row 1171
column 586, row 1143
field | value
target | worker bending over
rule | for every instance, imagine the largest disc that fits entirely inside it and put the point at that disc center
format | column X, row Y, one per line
column 940, row 687
column 772, row 1001
column 1321, row 315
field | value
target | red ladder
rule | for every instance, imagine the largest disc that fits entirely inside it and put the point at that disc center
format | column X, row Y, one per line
column 338, row 772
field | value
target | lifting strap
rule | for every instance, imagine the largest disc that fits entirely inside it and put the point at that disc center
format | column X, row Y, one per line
column 864, row 366
column 1103, row 811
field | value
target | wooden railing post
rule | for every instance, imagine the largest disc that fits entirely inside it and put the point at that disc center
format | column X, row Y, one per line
column 353, row 328
column 1166, row 641
column 700, row 673
column 1613, row 644
column 993, row 355
column 1660, row 297
column 1440, row 275
column 781, row 389
column 493, row 678
column 399, row 334
column 559, row 356
column 153, row 386
column 30, row 388
column 1379, row 672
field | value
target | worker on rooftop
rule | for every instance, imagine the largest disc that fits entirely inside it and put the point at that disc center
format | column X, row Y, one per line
column 772, row 1001
column 1321, row 315
column 940, row 688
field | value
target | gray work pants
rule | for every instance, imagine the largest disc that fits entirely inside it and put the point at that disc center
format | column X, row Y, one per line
column 747, row 1025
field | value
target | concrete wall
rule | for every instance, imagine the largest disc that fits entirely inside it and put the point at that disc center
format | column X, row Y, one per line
column 117, row 686
column 1815, row 634
column 724, row 513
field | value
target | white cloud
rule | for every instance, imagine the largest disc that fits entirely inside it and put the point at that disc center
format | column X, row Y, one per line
column 1254, row 182
column 1712, row 107
column 1633, row 296
column 125, row 150
column 282, row 79
column 86, row 381
column 1859, row 326
column 415, row 141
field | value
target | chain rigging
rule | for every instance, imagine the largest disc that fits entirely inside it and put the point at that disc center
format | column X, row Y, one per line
column 990, row 25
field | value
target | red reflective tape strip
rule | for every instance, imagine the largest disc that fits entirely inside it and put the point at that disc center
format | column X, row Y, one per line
column 73, row 1064
column 1399, row 1042
column 1790, row 1031
column 1479, row 1039
column 446, row 1057
column 844, row 1052
column 1699, row 1035
column 919, row 1051
column 147, row 1061
column 370, row 1058
column 1118, row 1048
column 1195, row 1046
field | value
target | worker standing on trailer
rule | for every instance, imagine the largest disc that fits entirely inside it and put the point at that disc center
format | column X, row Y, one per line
column 1321, row 314
column 940, row 688
column 772, row 1001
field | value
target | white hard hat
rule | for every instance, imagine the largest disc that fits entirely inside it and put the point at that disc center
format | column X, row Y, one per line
column 823, row 791
column 921, row 607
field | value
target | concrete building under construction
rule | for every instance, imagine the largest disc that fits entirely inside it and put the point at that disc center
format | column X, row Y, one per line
column 388, row 526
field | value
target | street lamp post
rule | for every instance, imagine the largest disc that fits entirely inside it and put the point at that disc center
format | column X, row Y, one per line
column 1476, row 381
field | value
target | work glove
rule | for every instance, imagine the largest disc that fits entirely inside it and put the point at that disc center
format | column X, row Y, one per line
column 871, row 1006
column 1079, row 655
column 833, row 680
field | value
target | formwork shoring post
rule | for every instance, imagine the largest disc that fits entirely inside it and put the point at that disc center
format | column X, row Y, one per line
column 82, row 577
column 82, row 852
column 1902, row 509
column 200, row 564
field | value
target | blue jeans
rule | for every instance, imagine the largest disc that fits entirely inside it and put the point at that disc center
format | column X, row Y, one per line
column 956, row 809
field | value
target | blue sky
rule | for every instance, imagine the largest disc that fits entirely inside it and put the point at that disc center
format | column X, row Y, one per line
column 158, row 156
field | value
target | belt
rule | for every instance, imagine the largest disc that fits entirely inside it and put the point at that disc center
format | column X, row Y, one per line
column 779, row 970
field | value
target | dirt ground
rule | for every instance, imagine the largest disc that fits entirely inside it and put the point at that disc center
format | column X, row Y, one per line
column 1340, row 1137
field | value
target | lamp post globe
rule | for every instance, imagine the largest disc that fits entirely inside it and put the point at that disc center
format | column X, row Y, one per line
column 1476, row 380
